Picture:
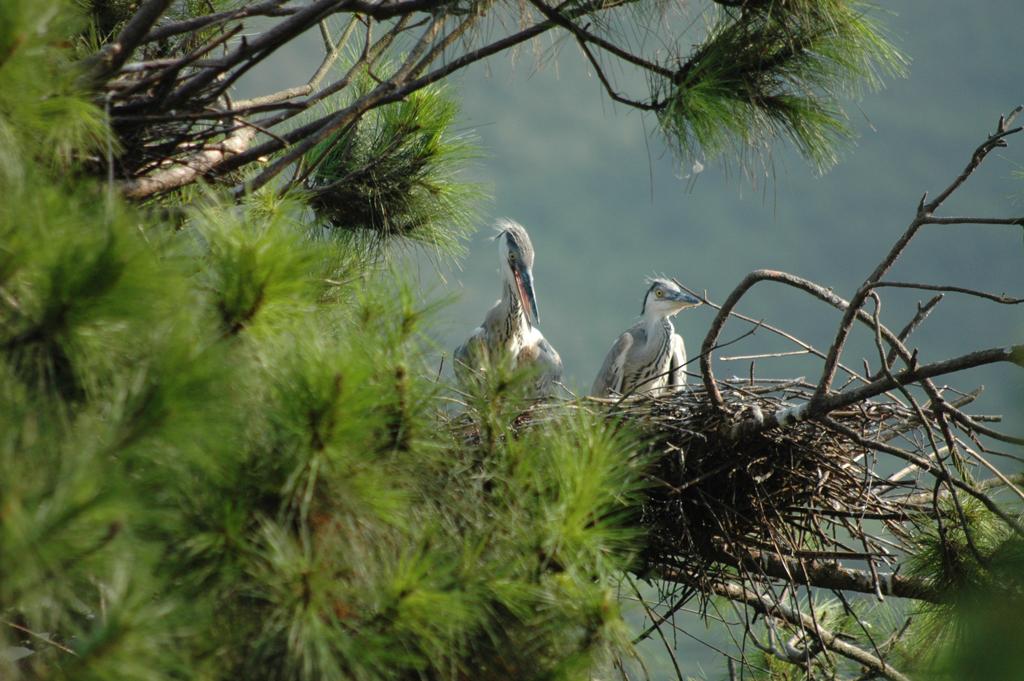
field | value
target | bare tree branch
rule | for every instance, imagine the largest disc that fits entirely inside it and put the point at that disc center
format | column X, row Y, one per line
column 820, row 292
column 824, row 575
column 975, row 221
column 994, row 297
column 922, row 498
column 332, row 52
column 994, row 141
column 610, row 90
column 385, row 93
column 1013, row 354
column 260, row 47
column 115, row 54
column 951, row 446
column 972, row 424
column 771, row 608
column 922, row 314
column 268, row 8
column 192, row 168
column 924, row 213
column 927, row 467
column 584, row 36
column 761, row 324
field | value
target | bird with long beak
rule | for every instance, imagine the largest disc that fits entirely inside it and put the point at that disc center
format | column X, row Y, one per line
column 649, row 357
column 508, row 329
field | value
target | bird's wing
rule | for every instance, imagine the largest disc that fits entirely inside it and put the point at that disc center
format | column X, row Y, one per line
column 609, row 378
column 469, row 357
column 550, row 366
column 677, row 365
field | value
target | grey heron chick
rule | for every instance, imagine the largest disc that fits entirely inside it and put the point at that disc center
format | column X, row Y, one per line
column 508, row 328
column 650, row 356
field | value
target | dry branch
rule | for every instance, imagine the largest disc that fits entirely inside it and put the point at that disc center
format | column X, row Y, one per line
column 823, row 575
column 114, row 55
column 191, row 168
column 923, row 217
column 771, row 608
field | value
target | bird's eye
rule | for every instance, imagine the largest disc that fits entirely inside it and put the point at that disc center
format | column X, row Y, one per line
column 659, row 293
column 512, row 257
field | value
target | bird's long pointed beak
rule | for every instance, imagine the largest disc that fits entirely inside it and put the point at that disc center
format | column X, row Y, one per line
column 686, row 299
column 524, row 283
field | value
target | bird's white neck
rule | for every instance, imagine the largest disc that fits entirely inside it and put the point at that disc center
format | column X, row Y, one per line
column 507, row 325
column 657, row 323
column 512, row 304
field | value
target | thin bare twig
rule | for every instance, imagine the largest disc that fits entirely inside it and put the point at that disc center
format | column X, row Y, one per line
column 114, row 55
column 950, row 443
column 584, row 37
column 919, row 317
column 330, row 57
column 49, row 641
column 994, row 141
column 994, row 297
column 926, row 466
column 975, row 221
column 668, row 647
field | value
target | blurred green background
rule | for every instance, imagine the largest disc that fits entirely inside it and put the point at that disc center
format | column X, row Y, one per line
column 607, row 205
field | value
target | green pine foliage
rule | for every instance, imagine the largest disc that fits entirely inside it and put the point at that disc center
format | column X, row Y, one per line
column 980, row 571
column 992, row 642
column 394, row 173
column 223, row 453
column 776, row 70
column 43, row 113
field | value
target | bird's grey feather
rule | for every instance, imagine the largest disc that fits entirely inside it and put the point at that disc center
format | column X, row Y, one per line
column 609, row 378
column 468, row 356
column 647, row 362
column 550, row 367
column 677, row 364
column 641, row 364
column 649, row 357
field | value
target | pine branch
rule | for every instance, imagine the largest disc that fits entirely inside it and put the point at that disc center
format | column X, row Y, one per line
column 192, row 168
column 821, row 575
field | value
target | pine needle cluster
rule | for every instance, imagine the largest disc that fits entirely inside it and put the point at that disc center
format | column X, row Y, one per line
column 394, row 173
column 776, row 70
column 978, row 564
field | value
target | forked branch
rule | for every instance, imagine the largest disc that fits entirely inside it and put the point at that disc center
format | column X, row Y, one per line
column 822, row 402
column 923, row 217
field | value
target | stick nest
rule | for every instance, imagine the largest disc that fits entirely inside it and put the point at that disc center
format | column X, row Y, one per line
column 802, row 491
